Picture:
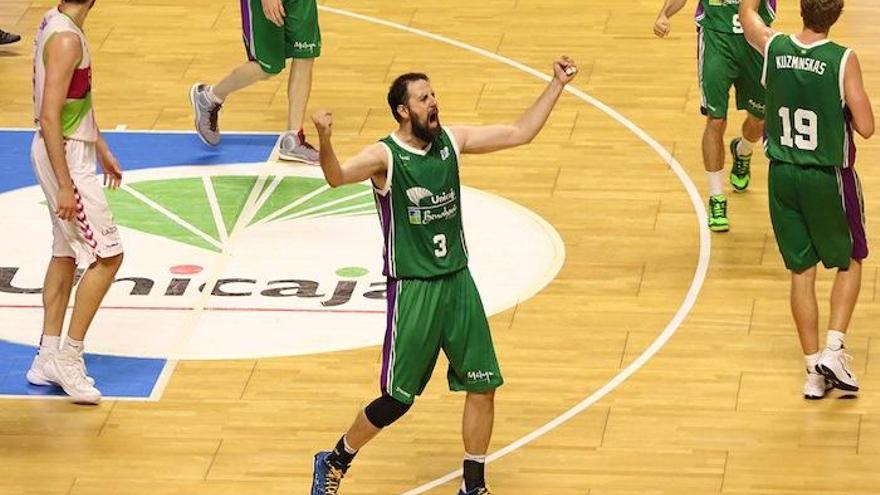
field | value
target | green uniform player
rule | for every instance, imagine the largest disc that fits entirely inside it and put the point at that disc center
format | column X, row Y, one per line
column 725, row 60
column 432, row 300
column 433, row 303
column 815, row 99
column 815, row 195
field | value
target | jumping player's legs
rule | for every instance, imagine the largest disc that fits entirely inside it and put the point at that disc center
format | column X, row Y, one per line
column 302, row 35
column 299, row 87
column 239, row 78
column 264, row 46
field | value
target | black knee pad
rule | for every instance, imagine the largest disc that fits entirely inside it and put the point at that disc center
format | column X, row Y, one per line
column 385, row 410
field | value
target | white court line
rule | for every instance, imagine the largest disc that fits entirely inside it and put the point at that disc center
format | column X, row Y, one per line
column 318, row 208
column 191, row 319
column 299, row 201
column 215, row 208
column 162, row 381
column 265, row 195
column 171, row 216
column 365, row 207
column 696, row 201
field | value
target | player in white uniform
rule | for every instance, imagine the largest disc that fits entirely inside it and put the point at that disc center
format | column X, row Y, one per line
column 65, row 152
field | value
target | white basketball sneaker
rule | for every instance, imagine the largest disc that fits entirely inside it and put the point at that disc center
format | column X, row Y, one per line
column 294, row 147
column 815, row 386
column 66, row 370
column 835, row 366
column 36, row 375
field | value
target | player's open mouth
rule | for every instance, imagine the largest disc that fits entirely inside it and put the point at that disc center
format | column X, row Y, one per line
column 433, row 117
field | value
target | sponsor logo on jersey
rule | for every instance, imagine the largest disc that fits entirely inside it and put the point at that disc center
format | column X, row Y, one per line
column 299, row 45
column 760, row 107
column 480, row 376
column 444, row 153
column 441, row 207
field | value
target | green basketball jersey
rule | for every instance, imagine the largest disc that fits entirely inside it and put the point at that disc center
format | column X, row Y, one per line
column 420, row 209
column 723, row 15
column 807, row 122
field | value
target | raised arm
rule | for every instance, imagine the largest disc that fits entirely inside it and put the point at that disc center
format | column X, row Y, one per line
column 62, row 53
column 670, row 8
column 857, row 98
column 485, row 139
column 757, row 33
column 370, row 163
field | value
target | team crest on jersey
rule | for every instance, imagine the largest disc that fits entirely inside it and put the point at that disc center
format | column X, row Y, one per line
column 444, row 153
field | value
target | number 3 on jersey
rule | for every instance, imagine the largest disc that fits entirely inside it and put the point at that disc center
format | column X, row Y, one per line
column 440, row 242
column 737, row 25
column 805, row 125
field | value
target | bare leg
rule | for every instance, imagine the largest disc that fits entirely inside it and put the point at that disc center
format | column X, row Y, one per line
column 753, row 128
column 90, row 293
column 299, row 87
column 56, row 294
column 361, row 432
column 713, row 144
column 476, row 430
column 241, row 77
column 805, row 309
column 477, row 422
column 844, row 295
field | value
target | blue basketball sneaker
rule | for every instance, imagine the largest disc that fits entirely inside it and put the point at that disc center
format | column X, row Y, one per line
column 326, row 478
column 477, row 491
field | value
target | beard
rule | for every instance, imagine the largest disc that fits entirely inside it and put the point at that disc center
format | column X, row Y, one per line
column 421, row 130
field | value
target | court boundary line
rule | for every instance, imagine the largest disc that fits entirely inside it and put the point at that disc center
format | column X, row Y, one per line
column 696, row 200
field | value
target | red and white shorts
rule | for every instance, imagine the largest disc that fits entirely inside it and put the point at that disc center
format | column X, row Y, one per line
column 93, row 233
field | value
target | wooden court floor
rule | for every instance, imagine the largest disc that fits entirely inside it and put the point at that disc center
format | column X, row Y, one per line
column 718, row 410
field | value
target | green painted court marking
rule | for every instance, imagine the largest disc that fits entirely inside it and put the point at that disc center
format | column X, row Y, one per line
column 189, row 211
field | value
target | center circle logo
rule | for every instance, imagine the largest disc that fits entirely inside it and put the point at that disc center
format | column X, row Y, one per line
column 223, row 262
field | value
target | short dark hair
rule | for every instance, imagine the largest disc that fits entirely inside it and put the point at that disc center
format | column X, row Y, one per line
column 820, row 15
column 398, row 94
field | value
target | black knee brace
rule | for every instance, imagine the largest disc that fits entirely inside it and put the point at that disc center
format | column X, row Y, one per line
column 385, row 410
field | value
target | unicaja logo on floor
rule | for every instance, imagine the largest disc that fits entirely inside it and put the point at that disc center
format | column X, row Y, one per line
column 259, row 264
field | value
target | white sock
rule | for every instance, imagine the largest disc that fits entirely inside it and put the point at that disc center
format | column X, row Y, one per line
column 812, row 360
column 744, row 148
column 347, row 447
column 49, row 343
column 834, row 340
column 73, row 345
column 716, row 182
column 211, row 96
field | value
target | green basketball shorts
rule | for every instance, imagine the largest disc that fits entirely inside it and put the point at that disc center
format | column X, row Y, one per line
column 817, row 215
column 726, row 60
column 270, row 45
column 427, row 315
